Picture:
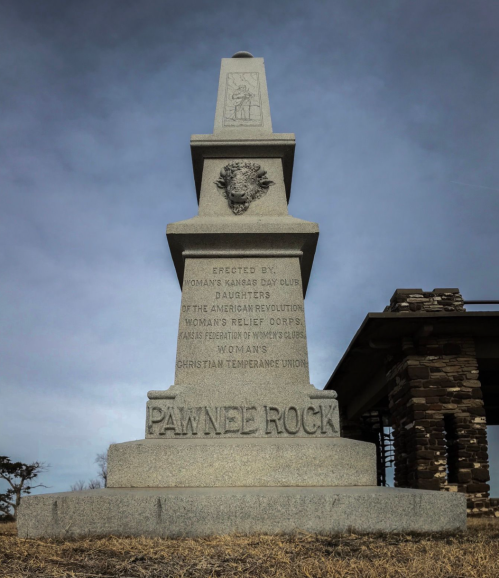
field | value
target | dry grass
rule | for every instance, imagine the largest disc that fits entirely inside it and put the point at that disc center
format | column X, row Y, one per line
column 474, row 554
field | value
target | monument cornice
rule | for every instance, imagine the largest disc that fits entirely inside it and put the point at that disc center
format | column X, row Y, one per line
column 248, row 236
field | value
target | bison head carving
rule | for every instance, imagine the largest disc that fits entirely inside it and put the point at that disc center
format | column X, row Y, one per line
column 242, row 182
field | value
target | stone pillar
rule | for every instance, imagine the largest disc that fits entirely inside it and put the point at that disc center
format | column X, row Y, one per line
column 243, row 264
column 437, row 411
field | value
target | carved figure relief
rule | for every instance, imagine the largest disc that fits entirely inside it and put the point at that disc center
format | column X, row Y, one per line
column 241, row 183
column 242, row 100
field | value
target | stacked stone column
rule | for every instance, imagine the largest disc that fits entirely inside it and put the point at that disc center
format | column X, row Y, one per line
column 438, row 416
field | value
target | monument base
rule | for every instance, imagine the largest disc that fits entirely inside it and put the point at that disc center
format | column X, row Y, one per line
column 173, row 512
column 249, row 462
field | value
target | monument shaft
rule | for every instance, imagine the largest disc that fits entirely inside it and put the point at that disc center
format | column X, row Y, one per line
column 242, row 322
column 242, row 362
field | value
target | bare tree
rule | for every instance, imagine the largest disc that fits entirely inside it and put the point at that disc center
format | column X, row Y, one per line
column 18, row 476
column 101, row 461
column 94, row 484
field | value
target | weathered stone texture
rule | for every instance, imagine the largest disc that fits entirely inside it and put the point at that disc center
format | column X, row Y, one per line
column 232, row 462
column 436, row 301
column 438, row 419
column 170, row 512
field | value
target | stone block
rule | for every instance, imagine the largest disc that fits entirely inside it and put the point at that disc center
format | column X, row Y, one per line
column 464, row 476
column 472, row 383
column 309, row 415
column 214, row 204
column 426, row 454
column 425, row 475
column 480, row 474
column 418, row 372
column 431, row 484
column 174, row 512
column 234, row 462
column 477, row 487
column 480, row 411
column 421, row 392
column 240, row 77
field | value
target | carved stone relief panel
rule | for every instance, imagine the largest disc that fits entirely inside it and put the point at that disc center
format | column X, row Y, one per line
column 243, row 100
column 241, row 183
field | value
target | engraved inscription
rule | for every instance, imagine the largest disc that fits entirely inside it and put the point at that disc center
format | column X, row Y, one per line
column 243, row 100
column 246, row 317
column 242, row 420
column 240, row 363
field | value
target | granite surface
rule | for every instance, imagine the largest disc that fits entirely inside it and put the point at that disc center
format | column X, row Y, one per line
column 155, row 463
column 206, row 511
column 212, row 202
column 242, row 325
column 243, row 102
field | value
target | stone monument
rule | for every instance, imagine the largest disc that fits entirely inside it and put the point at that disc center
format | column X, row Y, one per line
column 242, row 442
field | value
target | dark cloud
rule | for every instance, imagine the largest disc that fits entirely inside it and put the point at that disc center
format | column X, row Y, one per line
column 394, row 105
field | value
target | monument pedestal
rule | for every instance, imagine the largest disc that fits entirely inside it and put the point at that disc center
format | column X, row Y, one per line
column 172, row 512
column 242, row 442
column 233, row 462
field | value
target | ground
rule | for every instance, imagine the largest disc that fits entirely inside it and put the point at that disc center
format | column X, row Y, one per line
column 471, row 554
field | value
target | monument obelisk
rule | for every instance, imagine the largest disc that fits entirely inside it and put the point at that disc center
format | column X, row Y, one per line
column 241, row 442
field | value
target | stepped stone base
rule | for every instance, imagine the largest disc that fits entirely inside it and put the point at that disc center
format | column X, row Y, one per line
column 233, row 462
column 171, row 512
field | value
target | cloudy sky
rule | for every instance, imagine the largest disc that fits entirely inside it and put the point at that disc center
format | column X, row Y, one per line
column 395, row 108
